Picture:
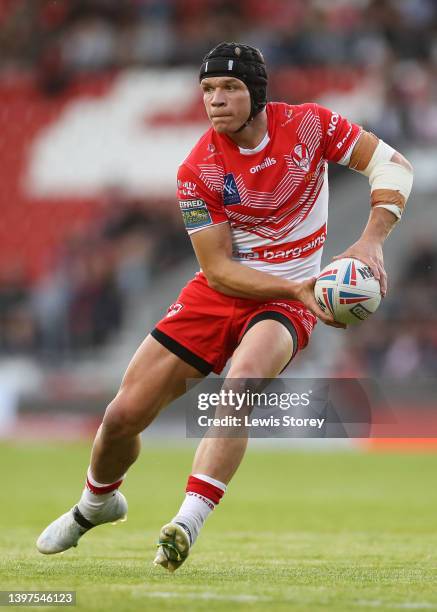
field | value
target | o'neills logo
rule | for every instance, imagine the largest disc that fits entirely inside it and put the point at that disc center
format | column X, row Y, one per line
column 269, row 161
column 281, row 253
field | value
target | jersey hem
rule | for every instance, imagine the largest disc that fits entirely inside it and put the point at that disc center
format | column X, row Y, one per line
column 199, row 229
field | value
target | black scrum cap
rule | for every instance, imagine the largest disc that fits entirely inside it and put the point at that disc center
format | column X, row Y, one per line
column 242, row 62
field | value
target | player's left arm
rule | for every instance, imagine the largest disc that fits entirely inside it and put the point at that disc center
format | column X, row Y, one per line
column 391, row 178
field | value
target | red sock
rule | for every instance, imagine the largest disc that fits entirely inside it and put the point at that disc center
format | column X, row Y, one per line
column 98, row 488
column 205, row 489
column 203, row 493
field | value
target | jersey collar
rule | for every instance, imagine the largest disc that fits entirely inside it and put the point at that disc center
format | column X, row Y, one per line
column 262, row 145
column 264, row 142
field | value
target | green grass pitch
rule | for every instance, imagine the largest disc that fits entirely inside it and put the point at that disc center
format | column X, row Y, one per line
column 300, row 531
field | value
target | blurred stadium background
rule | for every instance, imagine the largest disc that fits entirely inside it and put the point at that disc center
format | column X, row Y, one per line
column 100, row 103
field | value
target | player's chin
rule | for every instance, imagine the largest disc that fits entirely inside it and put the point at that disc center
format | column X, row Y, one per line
column 222, row 125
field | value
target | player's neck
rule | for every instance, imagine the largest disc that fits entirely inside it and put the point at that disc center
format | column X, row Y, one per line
column 252, row 135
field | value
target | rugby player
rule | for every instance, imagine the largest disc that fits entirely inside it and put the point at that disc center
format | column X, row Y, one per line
column 254, row 198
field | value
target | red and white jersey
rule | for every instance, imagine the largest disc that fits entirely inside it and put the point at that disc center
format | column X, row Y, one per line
column 274, row 197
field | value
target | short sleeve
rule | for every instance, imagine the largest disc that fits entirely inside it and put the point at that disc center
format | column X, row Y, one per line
column 200, row 206
column 339, row 135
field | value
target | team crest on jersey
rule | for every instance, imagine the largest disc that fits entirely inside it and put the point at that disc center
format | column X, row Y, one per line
column 230, row 190
column 174, row 309
column 301, row 156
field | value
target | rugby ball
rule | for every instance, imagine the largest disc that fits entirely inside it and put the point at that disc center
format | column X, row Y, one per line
column 348, row 290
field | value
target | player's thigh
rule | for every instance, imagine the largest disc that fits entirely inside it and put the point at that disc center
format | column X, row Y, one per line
column 263, row 352
column 155, row 377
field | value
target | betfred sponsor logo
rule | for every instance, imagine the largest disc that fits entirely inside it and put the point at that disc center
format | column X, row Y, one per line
column 187, row 204
column 268, row 161
column 304, row 247
column 195, row 213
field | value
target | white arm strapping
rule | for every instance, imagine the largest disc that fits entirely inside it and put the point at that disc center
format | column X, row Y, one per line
column 385, row 174
column 393, row 208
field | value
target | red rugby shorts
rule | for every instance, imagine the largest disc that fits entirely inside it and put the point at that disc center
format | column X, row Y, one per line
column 204, row 327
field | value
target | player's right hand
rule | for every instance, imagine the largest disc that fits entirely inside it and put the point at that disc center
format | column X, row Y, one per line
column 304, row 292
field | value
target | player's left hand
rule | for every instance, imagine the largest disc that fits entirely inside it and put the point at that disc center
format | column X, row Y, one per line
column 370, row 253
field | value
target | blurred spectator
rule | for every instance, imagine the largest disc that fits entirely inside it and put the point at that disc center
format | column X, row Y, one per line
column 96, row 304
column 100, row 272
column 89, row 44
column 402, row 338
column 393, row 39
column 17, row 329
column 422, row 264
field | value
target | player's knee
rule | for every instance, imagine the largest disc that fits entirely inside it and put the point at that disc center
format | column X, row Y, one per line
column 121, row 418
column 244, row 379
column 245, row 374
